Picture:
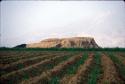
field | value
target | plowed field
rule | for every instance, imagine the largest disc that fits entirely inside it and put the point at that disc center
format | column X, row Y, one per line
column 62, row 67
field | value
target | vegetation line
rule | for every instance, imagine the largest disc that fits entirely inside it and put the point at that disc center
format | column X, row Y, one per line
column 18, row 57
column 23, row 63
column 64, row 49
column 57, row 70
column 70, row 70
column 118, row 63
column 96, row 69
column 31, row 71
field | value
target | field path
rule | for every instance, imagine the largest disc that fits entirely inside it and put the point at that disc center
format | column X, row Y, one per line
column 110, row 74
column 80, row 75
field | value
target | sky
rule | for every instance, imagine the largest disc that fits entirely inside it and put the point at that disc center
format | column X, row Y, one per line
column 32, row 21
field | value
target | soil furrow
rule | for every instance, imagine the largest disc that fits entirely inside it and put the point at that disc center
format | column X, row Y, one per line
column 32, row 70
column 28, row 59
column 122, row 54
column 11, row 60
column 80, row 76
column 121, row 58
column 110, row 74
column 46, row 76
column 24, row 63
column 6, row 61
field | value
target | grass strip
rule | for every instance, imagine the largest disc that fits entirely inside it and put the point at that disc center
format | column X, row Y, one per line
column 23, row 64
column 22, row 55
column 63, row 49
column 96, row 70
column 35, row 71
column 70, row 70
column 118, row 63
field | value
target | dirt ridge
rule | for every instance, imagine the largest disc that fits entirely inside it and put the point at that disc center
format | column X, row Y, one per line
column 110, row 74
column 48, row 74
column 79, row 77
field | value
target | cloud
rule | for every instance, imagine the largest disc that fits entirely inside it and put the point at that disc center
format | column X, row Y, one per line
column 100, row 18
column 83, row 34
column 36, row 21
column 110, row 41
column 105, row 40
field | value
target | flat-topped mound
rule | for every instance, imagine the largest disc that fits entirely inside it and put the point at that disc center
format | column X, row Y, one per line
column 74, row 42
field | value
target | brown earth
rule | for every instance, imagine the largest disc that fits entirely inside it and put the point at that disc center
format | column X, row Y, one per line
column 110, row 71
column 80, row 75
column 121, row 54
column 110, row 74
column 26, row 69
column 49, row 73
column 121, row 58
column 74, row 42
column 27, row 62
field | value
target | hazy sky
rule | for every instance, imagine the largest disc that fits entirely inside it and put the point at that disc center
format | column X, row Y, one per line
column 32, row 21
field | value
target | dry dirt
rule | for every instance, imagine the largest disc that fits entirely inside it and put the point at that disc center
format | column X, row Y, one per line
column 110, row 74
column 80, row 75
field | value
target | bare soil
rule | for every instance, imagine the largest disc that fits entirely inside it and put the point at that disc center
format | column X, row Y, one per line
column 80, row 76
column 19, row 73
column 121, row 58
column 45, row 76
column 110, row 74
